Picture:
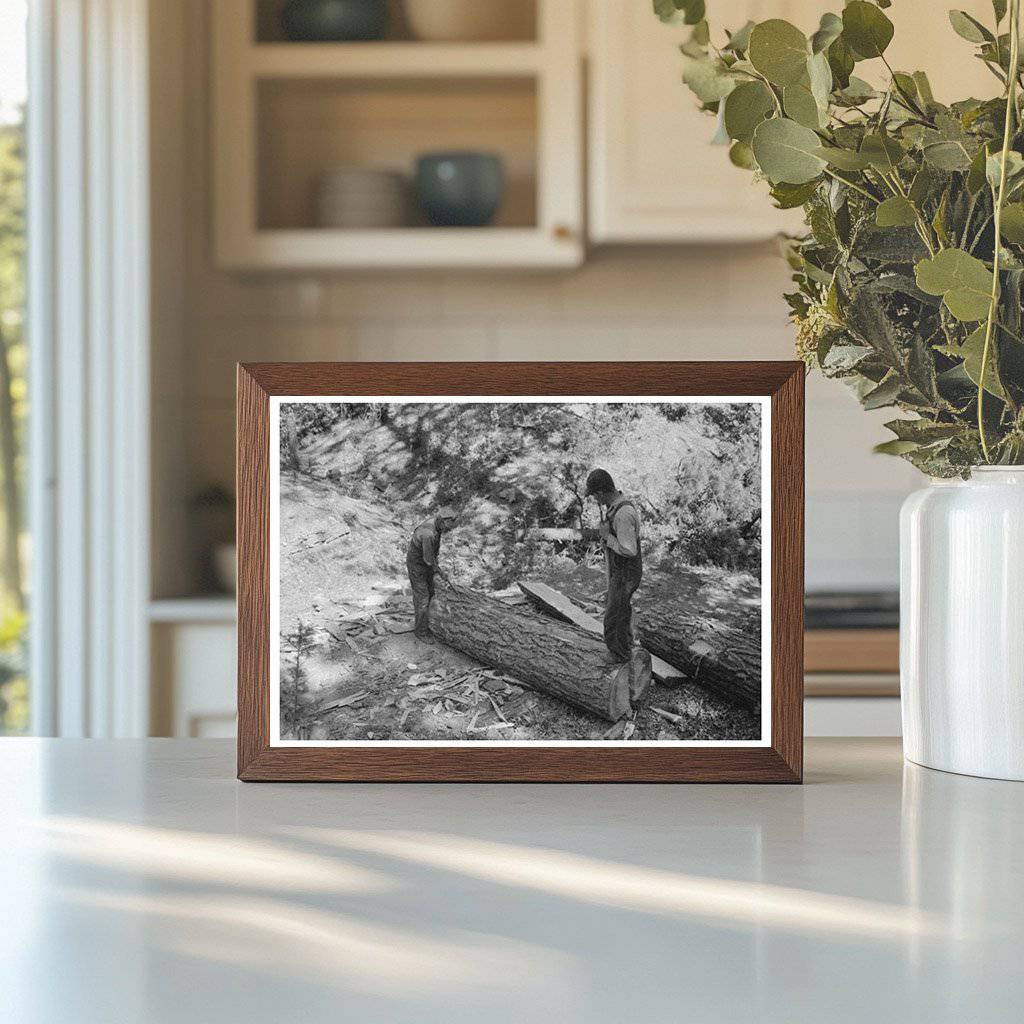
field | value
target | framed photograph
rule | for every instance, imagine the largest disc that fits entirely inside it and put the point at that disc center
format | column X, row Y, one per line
column 575, row 572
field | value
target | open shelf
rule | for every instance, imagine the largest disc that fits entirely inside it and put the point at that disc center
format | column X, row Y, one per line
column 286, row 114
column 393, row 60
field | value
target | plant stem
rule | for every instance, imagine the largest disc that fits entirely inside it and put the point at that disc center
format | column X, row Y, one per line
column 853, row 185
column 1011, row 109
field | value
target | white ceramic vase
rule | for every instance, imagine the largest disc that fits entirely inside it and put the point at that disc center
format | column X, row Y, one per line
column 962, row 624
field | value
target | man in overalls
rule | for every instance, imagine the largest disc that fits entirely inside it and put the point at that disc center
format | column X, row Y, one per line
column 620, row 534
column 421, row 561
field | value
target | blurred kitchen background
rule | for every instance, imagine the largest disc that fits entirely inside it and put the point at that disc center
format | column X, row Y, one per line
column 292, row 218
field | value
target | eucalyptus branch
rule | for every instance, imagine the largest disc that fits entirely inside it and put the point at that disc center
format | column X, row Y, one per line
column 993, row 309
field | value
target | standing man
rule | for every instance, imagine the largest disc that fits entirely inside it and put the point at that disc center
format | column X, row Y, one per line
column 620, row 534
column 421, row 561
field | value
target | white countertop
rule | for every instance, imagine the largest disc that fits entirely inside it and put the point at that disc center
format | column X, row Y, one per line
column 140, row 882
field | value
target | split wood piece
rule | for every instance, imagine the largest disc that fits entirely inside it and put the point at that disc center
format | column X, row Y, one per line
column 551, row 601
column 559, row 659
column 554, row 533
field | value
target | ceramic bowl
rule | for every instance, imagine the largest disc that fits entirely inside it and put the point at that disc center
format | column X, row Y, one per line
column 333, row 21
column 460, row 189
column 470, row 20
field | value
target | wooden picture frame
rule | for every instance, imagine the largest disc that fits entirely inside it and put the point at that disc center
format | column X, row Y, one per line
column 779, row 759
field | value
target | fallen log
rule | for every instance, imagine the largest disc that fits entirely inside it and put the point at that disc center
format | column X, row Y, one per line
column 556, row 658
column 707, row 623
column 551, row 601
column 718, row 656
column 563, row 534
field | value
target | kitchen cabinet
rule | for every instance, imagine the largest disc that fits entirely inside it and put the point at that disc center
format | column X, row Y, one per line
column 654, row 177
column 288, row 114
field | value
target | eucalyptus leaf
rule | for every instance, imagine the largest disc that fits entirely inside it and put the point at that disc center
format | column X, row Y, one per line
column 924, row 87
column 866, row 29
column 947, row 156
column 993, row 167
column 1012, row 223
column 976, row 176
column 895, row 212
column 999, row 9
column 969, row 28
column 857, row 91
column 745, row 108
column 883, row 152
column 739, row 41
column 972, row 351
column 829, row 30
column 787, row 152
column 819, row 75
column 707, row 78
column 841, row 62
column 844, row 159
column 895, row 447
column 801, row 106
column 741, row 155
column 779, row 51
column 788, row 196
column 963, row 281
column 690, row 12
column 883, row 395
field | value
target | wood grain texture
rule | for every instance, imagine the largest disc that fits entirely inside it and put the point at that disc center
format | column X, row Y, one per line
column 780, row 762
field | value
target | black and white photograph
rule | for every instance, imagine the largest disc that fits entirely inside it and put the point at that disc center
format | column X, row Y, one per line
column 501, row 571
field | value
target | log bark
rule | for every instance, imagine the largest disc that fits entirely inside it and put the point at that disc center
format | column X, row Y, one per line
column 556, row 658
column 553, row 603
column 706, row 623
column 712, row 653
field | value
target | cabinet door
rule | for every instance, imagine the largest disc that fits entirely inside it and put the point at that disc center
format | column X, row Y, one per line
column 654, row 176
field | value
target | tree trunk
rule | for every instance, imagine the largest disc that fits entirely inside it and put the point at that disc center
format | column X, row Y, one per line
column 551, row 601
column 715, row 654
column 556, row 658
column 707, row 623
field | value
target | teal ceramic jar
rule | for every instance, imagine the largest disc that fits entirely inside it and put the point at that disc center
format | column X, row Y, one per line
column 460, row 189
column 334, row 21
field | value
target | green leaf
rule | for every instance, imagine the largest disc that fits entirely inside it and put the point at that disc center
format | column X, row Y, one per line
column 922, row 185
column 844, row 159
column 1012, row 224
column 993, row 167
column 969, row 28
column 787, row 152
column 707, row 78
column 857, row 91
column 924, row 88
column 840, row 60
column 882, row 151
column 739, row 41
column 789, row 197
column 947, row 156
column 895, row 447
column 819, row 74
column 690, row 12
column 741, row 155
column 779, row 51
column 963, row 281
column 999, row 9
column 895, row 212
column 829, row 30
column 885, row 394
column 976, row 173
column 866, row 29
column 971, row 351
column 923, row 431
column 801, row 106
column 745, row 108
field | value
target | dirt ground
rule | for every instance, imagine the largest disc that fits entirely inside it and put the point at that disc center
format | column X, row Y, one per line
column 368, row 682
column 365, row 676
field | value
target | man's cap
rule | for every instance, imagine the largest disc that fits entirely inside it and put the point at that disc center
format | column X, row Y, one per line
column 447, row 512
column 599, row 482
